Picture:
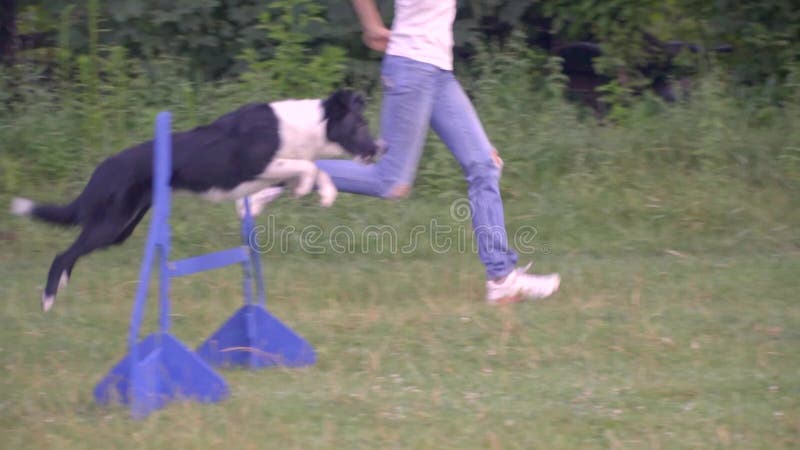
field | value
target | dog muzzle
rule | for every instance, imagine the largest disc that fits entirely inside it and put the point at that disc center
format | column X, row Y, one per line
column 380, row 150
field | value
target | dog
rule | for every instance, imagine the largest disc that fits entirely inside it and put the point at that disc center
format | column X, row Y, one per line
column 240, row 153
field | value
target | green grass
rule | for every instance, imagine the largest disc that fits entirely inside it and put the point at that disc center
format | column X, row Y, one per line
column 676, row 327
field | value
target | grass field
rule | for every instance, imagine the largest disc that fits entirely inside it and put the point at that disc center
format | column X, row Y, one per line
column 677, row 326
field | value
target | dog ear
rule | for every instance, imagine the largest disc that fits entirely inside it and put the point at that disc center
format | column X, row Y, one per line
column 356, row 102
column 342, row 102
column 335, row 105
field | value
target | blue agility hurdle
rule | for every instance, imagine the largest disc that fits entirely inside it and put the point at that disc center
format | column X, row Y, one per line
column 159, row 368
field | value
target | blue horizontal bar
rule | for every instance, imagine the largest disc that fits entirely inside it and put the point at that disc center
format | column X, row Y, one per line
column 208, row 261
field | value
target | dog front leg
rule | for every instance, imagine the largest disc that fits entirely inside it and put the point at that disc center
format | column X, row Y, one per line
column 327, row 190
column 322, row 181
column 306, row 176
column 300, row 174
column 259, row 200
column 285, row 170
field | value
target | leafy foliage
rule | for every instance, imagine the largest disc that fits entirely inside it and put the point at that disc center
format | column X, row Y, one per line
column 764, row 35
column 209, row 34
column 292, row 68
column 212, row 34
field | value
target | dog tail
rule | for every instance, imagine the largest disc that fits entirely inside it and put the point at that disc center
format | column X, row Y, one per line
column 56, row 214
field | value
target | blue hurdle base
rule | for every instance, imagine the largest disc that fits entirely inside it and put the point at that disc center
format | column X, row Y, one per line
column 165, row 370
column 254, row 338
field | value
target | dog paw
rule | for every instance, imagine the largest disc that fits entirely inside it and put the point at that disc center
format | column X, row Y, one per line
column 47, row 302
column 327, row 197
column 327, row 190
column 21, row 206
column 259, row 200
column 240, row 210
column 304, row 187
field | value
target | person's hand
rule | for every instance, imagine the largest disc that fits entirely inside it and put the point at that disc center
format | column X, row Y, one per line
column 376, row 38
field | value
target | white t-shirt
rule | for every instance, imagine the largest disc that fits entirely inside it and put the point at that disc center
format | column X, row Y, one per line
column 423, row 31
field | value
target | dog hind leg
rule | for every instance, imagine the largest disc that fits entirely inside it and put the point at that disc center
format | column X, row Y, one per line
column 122, row 237
column 95, row 235
column 128, row 230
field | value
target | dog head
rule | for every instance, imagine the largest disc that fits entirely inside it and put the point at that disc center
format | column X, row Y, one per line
column 347, row 127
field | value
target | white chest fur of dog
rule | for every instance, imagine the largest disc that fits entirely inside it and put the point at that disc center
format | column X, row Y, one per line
column 301, row 125
column 302, row 131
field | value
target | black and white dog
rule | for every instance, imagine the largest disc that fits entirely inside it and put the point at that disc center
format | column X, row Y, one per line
column 242, row 152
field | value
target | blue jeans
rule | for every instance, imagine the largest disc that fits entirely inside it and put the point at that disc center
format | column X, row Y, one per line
column 416, row 95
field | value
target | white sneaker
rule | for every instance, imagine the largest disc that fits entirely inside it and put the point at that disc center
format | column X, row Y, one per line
column 518, row 286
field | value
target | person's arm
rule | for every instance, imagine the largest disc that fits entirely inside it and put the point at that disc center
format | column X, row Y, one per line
column 376, row 35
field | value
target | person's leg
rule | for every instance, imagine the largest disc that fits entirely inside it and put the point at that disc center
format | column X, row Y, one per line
column 408, row 92
column 454, row 119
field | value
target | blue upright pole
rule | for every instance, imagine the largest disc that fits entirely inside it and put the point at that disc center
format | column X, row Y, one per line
column 255, row 259
column 162, row 192
column 252, row 337
column 159, row 368
column 247, row 270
